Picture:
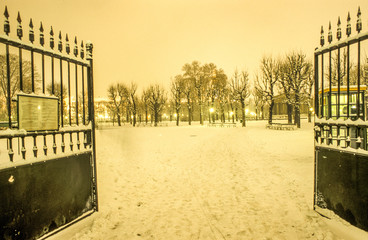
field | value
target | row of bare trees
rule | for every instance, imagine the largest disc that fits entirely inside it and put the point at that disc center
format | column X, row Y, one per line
column 124, row 99
column 292, row 76
column 205, row 88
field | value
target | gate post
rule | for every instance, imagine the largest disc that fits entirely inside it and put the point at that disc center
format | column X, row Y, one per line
column 91, row 115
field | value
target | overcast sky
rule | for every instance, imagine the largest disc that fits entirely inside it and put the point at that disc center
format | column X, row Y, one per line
column 148, row 41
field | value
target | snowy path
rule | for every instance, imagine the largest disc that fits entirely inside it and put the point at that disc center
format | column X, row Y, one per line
column 204, row 183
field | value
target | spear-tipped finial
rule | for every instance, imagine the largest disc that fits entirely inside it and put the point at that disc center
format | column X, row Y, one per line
column 89, row 50
column 322, row 37
column 19, row 27
column 60, row 44
column 348, row 26
column 31, row 32
column 67, row 48
column 359, row 21
column 338, row 35
column 82, row 50
column 329, row 33
column 6, row 22
column 75, row 47
column 52, row 43
column 42, row 38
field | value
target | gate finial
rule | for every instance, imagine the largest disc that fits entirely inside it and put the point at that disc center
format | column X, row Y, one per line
column 42, row 38
column 359, row 21
column 52, row 43
column 89, row 48
column 60, row 44
column 329, row 33
column 67, row 47
column 82, row 50
column 6, row 22
column 19, row 27
column 322, row 37
column 75, row 47
column 338, row 35
column 348, row 26
column 31, row 32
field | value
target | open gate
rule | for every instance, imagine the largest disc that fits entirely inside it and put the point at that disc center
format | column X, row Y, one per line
column 341, row 149
column 47, row 133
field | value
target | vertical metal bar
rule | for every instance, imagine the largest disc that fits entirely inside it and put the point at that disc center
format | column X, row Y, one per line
column 54, row 147
column 32, row 72
column 71, row 141
column 43, row 73
column 20, row 70
column 69, row 97
column 23, row 149
column 52, row 76
column 348, row 79
column 61, row 93
column 8, row 85
column 44, row 145
column 78, row 141
column 62, row 143
column 83, row 96
column 338, row 82
column 316, row 104
column 35, row 149
column 89, row 47
column 330, row 86
column 358, row 97
column 322, row 85
column 10, row 151
column 76, row 94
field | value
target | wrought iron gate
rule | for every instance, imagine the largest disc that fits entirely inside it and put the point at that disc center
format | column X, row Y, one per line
column 341, row 148
column 47, row 132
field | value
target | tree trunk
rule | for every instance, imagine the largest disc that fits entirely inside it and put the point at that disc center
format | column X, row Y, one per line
column 309, row 116
column 156, row 117
column 146, row 116
column 297, row 110
column 290, row 113
column 270, row 112
column 243, row 113
column 119, row 122
column 189, row 114
column 200, row 113
column 177, row 117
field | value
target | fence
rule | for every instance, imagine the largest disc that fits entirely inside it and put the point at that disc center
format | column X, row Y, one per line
column 47, row 132
column 341, row 150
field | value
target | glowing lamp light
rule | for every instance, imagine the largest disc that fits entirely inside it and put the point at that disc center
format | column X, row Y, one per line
column 39, row 107
column 212, row 110
column 231, row 113
column 246, row 111
column 175, row 115
column 311, row 109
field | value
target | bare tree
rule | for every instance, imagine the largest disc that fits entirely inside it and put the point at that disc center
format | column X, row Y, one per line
column 286, row 88
column 266, row 81
column 239, row 87
column 188, row 92
column 144, row 98
column 259, row 102
column 177, row 87
column 194, row 72
column 297, row 72
column 132, row 101
column 156, row 101
column 117, row 94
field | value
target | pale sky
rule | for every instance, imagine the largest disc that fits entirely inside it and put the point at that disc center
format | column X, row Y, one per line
column 148, row 41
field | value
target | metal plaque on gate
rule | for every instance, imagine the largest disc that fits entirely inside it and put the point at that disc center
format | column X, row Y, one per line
column 38, row 113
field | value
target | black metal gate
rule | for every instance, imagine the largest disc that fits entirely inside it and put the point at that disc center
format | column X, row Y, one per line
column 341, row 150
column 47, row 132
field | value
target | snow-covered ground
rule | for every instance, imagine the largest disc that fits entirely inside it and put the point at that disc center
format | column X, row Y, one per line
column 169, row 183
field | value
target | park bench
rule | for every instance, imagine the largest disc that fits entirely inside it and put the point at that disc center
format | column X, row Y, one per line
column 222, row 125
column 281, row 126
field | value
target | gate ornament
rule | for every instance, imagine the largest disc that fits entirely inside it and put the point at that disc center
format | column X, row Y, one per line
column 67, row 47
column 52, row 43
column 42, row 38
column 322, row 37
column 31, row 32
column 348, row 26
column 19, row 27
column 338, row 35
column 60, row 45
column 6, row 22
column 359, row 21
column 329, row 33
